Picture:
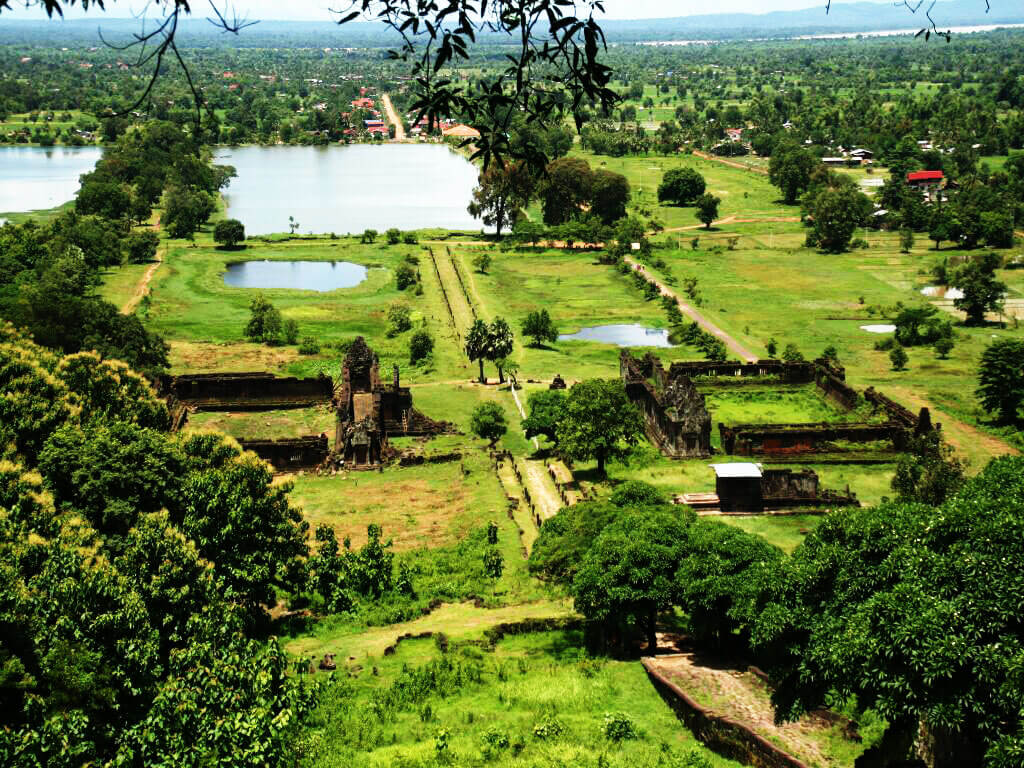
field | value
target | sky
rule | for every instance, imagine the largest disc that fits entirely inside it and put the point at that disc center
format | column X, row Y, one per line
column 319, row 10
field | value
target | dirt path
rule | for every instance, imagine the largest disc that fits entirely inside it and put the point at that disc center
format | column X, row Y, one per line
column 453, row 288
column 521, row 514
column 457, row 620
column 741, row 696
column 143, row 287
column 968, row 440
column 389, row 109
column 542, row 488
column 731, row 163
column 694, row 315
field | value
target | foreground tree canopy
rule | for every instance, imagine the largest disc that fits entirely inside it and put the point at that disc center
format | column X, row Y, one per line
column 135, row 568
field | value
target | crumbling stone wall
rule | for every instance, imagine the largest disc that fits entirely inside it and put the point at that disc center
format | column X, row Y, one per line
column 246, row 391
column 676, row 418
column 783, row 488
column 784, row 439
column 290, row 454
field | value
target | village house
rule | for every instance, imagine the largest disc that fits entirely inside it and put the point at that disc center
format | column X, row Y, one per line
column 928, row 182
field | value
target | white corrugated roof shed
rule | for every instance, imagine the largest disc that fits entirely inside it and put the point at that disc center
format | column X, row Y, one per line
column 741, row 469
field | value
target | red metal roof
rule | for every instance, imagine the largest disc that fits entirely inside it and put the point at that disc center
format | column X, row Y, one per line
column 925, row 176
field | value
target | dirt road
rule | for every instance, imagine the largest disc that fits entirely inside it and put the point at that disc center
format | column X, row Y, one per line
column 694, row 315
column 393, row 118
column 731, row 163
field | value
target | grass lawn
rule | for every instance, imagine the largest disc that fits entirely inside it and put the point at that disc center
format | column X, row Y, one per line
column 268, row 425
column 425, row 506
column 538, row 698
column 784, row 531
column 120, row 283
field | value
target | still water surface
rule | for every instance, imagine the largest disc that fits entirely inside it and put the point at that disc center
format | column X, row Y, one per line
column 349, row 189
column 621, row 336
column 35, row 178
column 319, row 276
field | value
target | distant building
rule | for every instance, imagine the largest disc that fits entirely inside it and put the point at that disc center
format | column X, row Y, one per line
column 364, row 103
column 734, row 134
column 462, row 132
column 929, row 182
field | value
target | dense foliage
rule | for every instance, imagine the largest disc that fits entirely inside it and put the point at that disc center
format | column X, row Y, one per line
column 137, row 570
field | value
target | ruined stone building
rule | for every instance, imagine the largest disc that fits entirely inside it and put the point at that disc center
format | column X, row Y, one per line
column 369, row 412
column 676, row 418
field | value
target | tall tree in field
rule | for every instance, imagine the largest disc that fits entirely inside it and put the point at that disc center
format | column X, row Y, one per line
column 982, row 292
column 598, row 422
column 627, row 577
column 609, row 195
column 504, row 189
column 566, row 189
column 539, row 327
column 489, row 423
column 545, row 411
column 707, row 209
column 1001, row 378
column 500, row 343
column 837, row 212
column 681, row 186
column 478, row 345
column 790, row 170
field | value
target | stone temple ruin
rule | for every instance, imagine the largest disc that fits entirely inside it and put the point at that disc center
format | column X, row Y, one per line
column 675, row 413
column 678, row 423
column 675, row 417
column 368, row 411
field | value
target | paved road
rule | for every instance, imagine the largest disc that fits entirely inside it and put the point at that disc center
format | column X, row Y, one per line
column 694, row 315
column 393, row 118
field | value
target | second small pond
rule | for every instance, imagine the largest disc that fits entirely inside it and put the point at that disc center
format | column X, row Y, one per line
column 321, row 276
column 621, row 335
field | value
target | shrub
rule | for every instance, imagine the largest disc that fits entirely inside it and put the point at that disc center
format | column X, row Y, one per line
column 791, row 354
column 394, row 236
column 618, row 727
column 410, row 238
column 693, row 759
column 309, row 346
column 368, row 236
column 899, row 358
column 291, row 331
column 229, row 232
column 482, row 262
column 421, row 347
column 496, row 739
column 772, row 346
column 943, row 347
column 494, row 563
column 399, row 319
column 547, row 729
column 405, row 275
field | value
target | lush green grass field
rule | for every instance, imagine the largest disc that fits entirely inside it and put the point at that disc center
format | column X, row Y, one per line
column 537, row 700
column 267, row 425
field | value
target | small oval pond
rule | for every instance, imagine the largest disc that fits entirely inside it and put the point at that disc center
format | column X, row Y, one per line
column 621, row 335
column 882, row 328
column 321, row 276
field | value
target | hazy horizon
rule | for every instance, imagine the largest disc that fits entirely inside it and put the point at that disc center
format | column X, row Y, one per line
column 319, row 10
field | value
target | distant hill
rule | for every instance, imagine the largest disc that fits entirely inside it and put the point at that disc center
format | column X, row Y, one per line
column 843, row 18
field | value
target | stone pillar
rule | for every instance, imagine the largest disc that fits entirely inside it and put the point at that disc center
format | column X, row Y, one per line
column 396, row 378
